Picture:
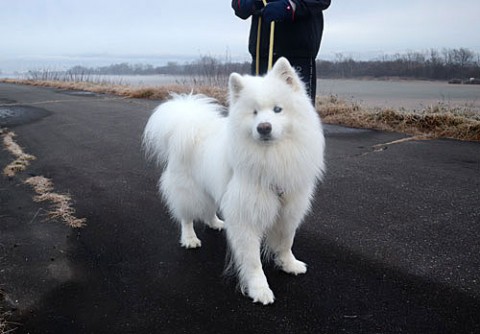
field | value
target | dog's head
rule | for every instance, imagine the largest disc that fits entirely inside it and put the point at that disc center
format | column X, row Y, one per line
column 267, row 108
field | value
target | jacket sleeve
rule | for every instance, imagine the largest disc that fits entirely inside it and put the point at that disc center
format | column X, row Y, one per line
column 309, row 7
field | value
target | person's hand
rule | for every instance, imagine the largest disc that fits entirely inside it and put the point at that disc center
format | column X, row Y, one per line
column 250, row 6
column 278, row 10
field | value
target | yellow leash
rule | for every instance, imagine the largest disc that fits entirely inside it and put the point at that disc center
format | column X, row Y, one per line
column 270, row 50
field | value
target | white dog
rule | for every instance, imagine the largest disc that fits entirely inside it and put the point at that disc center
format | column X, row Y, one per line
column 258, row 166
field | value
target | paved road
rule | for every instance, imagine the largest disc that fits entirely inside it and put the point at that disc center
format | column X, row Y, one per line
column 392, row 242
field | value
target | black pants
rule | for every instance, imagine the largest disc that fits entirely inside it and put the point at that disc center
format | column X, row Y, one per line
column 305, row 67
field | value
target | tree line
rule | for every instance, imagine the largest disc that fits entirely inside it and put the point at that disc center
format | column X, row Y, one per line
column 205, row 65
column 433, row 64
column 446, row 64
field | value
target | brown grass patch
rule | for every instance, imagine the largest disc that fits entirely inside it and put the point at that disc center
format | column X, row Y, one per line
column 22, row 160
column 61, row 203
column 62, row 208
column 435, row 122
column 154, row 93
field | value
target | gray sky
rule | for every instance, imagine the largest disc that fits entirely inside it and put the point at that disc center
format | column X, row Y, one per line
column 175, row 30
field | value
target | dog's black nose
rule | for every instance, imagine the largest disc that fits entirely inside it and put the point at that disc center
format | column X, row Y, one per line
column 264, row 128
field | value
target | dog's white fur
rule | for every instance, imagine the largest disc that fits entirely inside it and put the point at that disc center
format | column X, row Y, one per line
column 258, row 166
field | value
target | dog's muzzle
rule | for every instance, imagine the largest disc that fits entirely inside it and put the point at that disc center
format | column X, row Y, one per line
column 264, row 130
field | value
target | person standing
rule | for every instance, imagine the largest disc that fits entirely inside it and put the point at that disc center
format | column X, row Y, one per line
column 298, row 34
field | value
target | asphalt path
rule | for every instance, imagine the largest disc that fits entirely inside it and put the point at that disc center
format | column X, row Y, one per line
column 392, row 243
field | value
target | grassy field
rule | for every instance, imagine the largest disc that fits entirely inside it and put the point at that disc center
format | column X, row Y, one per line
column 437, row 121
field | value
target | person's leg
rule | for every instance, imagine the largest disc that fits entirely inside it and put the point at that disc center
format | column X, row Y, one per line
column 313, row 81
column 306, row 68
column 263, row 64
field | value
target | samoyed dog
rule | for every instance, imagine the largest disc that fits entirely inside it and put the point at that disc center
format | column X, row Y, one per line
column 258, row 166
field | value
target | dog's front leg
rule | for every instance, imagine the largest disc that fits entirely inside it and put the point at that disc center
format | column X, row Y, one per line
column 280, row 243
column 280, row 236
column 248, row 214
column 245, row 247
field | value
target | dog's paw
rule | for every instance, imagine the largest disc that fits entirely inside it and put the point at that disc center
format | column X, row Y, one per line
column 190, row 242
column 293, row 267
column 261, row 295
column 216, row 224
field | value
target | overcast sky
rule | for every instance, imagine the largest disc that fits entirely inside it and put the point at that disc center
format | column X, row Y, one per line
column 140, row 29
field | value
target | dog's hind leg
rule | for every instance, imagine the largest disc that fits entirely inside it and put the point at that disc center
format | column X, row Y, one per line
column 189, row 238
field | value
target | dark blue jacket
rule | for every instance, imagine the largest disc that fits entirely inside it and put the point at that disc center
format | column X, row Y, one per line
column 297, row 39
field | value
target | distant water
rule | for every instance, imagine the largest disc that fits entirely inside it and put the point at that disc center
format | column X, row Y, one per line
column 407, row 94
column 398, row 94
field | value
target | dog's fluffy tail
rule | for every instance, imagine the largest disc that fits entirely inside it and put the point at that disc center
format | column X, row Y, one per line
column 174, row 126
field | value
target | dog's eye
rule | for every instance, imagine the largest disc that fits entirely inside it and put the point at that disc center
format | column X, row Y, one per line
column 255, row 112
column 277, row 109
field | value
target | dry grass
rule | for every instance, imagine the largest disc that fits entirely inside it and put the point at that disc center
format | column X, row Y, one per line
column 61, row 203
column 155, row 93
column 62, row 208
column 22, row 160
column 438, row 121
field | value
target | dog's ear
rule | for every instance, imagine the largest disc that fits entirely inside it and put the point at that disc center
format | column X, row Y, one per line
column 285, row 71
column 235, row 86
